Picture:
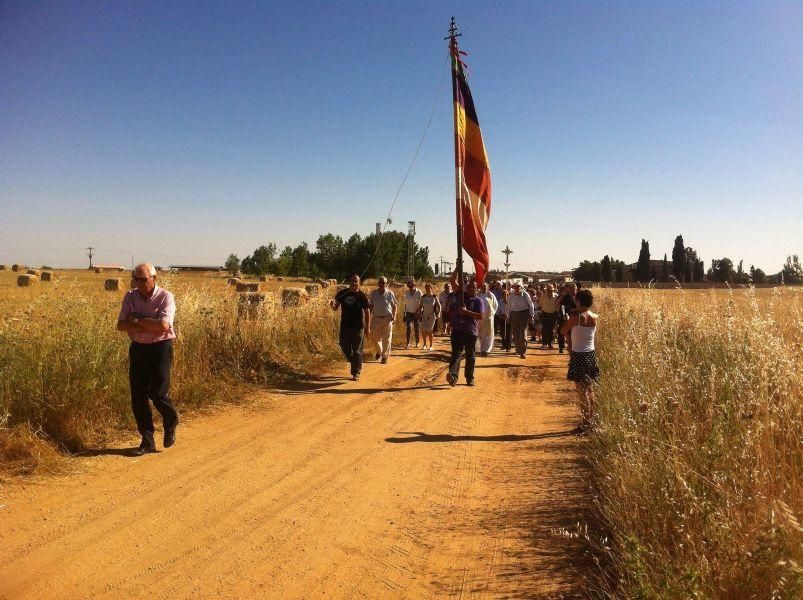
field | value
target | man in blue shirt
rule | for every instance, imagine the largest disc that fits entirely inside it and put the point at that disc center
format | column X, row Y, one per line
column 464, row 323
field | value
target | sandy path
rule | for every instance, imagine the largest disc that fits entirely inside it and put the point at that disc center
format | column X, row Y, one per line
column 395, row 486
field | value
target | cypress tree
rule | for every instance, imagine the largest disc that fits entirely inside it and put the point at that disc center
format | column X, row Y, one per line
column 679, row 259
column 643, row 264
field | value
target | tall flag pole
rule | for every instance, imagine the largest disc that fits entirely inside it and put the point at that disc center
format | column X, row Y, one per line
column 472, row 172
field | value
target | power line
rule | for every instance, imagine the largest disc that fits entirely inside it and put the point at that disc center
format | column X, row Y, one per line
column 410, row 168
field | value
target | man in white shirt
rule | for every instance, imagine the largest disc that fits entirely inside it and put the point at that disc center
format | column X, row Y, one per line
column 382, row 303
column 412, row 311
column 520, row 312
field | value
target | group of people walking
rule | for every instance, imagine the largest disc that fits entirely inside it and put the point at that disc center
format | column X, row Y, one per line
column 472, row 316
column 505, row 311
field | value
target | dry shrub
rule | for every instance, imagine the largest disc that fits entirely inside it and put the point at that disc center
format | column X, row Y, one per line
column 22, row 452
column 26, row 280
column 113, row 284
column 699, row 450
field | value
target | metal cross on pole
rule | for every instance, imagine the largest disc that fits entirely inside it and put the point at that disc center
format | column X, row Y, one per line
column 507, row 252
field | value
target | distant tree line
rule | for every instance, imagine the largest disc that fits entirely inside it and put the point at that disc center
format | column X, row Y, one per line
column 333, row 257
column 686, row 267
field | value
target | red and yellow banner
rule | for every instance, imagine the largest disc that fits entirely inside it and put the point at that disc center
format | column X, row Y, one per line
column 473, row 171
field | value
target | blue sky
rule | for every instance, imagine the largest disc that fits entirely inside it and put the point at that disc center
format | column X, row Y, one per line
column 181, row 131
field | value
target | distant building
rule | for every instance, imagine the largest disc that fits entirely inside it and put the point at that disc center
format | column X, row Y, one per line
column 656, row 270
column 196, row 268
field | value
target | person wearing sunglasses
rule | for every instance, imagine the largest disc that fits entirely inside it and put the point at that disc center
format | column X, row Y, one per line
column 147, row 317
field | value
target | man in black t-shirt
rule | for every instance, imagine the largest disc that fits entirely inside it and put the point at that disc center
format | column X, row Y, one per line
column 354, row 322
column 567, row 307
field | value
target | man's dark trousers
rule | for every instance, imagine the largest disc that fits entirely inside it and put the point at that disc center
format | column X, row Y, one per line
column 463, row 342
column 149, row 376
column 351, row 344
column 547, row 328
column 503, row 328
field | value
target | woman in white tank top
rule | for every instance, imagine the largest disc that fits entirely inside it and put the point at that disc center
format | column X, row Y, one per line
column 583, row 368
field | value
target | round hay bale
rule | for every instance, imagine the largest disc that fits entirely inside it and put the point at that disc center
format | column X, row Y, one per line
column 3, row 267
column 280, row 278
column 47, row 276
column 264, row 278
column 26, row 280
column 243, row 286
column 294, row 296
column 249, row 304
column 97, row 270
column 233, row 281
column 36, row 272
column 113, row 284
column 313, row 289
column 18, row 268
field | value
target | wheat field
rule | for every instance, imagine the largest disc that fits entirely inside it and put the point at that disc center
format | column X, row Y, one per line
column 698, row 452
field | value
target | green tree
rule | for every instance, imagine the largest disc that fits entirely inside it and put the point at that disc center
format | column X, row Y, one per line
column 757, row 275
column 262, row 261
column 606, row 269
column 721, row 270
column 665, row 274
column 330, row 257
column 679, row 260
column 643, row 264
column 284, row 261
column 232, row 264
column 792, row 272
column 299, row 260
column 619, row 270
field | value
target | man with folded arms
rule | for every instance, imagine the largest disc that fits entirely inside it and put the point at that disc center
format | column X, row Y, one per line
column 147, row 317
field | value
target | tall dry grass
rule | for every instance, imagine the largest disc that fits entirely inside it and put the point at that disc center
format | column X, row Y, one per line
column 64, row 367
column 698, row 456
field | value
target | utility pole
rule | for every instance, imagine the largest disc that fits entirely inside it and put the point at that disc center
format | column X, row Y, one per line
column 411, row 249
column 91, row 249
column 507, row 252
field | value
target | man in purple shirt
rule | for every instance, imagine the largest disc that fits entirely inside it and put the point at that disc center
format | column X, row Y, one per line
column 463, row 320
column 147, row 317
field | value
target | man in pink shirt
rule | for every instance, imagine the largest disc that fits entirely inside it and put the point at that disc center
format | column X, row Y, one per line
column 147, row 317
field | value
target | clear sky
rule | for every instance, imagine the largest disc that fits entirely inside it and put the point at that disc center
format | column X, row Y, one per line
column 179, row 132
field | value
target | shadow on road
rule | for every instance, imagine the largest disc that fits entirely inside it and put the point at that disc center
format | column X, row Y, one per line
column 420, row 436
column 92, row 452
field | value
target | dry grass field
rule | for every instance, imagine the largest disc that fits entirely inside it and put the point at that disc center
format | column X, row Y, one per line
column 698, row 457
column 64, row 367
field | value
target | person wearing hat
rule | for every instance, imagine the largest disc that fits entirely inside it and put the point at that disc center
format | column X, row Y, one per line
column 382, row 303
column 520, row 313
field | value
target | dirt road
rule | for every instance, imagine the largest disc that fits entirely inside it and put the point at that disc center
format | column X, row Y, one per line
column 396, row 486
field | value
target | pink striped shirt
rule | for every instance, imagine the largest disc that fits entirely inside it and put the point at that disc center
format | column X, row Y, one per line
column 160, row 305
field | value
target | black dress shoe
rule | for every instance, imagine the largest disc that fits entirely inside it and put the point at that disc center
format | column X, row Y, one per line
column 170, row 435
column 140, row 450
